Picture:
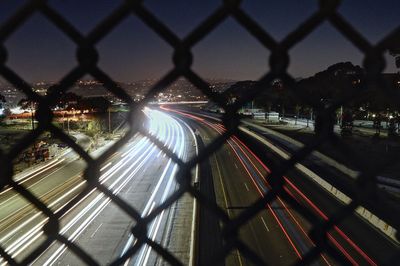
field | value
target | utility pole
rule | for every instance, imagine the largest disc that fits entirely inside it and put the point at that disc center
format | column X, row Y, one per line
column 32, row 116
column 297, row 109
column 311, row 114
column 341, row 116
column 109, row 120
column 63, row 118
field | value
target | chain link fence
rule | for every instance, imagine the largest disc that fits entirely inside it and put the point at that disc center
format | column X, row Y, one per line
column 363, row 193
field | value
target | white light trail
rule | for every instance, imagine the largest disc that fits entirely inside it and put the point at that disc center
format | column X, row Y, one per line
column 164, row 128
column 144, row 253
column 14, row 248
column 168, row 137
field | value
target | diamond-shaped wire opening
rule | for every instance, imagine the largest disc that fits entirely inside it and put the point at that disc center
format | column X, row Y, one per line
column 316, row 232
column 276, row 18
column 280, row 211
column 47, row 50
column 177, row 19
column 342, row 155
column 146, row 57
column 20, row 243
column 98, row 12
column 319, row 57
column 247, row 177
column 370, row 21
column 95, row 221
column 232, row 181
column 220, row 61
column 89, row 107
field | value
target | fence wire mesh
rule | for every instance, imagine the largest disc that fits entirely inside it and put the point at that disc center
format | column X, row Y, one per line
column 363, row 193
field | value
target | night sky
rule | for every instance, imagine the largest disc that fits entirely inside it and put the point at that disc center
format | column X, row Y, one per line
column 39, row 51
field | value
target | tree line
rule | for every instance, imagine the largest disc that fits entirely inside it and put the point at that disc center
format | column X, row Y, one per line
column 342, row 84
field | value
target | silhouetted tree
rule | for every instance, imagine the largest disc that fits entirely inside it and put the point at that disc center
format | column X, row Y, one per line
column 341, row 84
column 337, row 82
column 30, row 105
column 69, row 100
column 273, row 97
column 65, row 100
column 95, row 104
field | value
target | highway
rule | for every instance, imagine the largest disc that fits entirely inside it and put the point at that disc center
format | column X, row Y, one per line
column 234, row 193
column 234, row 177
column 139, row 173
column 280, row 234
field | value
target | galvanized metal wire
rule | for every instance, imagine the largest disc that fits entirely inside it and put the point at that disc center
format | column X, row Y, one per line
column 87, row 56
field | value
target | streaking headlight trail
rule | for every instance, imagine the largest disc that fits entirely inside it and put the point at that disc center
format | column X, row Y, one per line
column 169, row 131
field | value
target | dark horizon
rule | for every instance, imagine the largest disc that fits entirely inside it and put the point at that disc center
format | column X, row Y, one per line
column 38, row 51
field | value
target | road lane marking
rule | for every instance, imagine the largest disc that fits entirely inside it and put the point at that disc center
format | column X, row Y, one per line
column 320, row 181
column 257, row 187
column 265, row 224
column 95, row 231
column 105, row 166
column 194, row 213
column 25, row 237
column 222, row 185
column 75, row 234
column 247, row 188
column 40, row 169
column 145, row 252
column 33, row 184
column 226, row 203
column 47, row 196
column 169, row 184
column 17, row 244
column 236, row 166
column 278, row 221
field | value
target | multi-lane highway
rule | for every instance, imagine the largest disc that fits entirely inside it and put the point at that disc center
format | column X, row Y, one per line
column 238, row 181
column 280, row 234
column 139, row 173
